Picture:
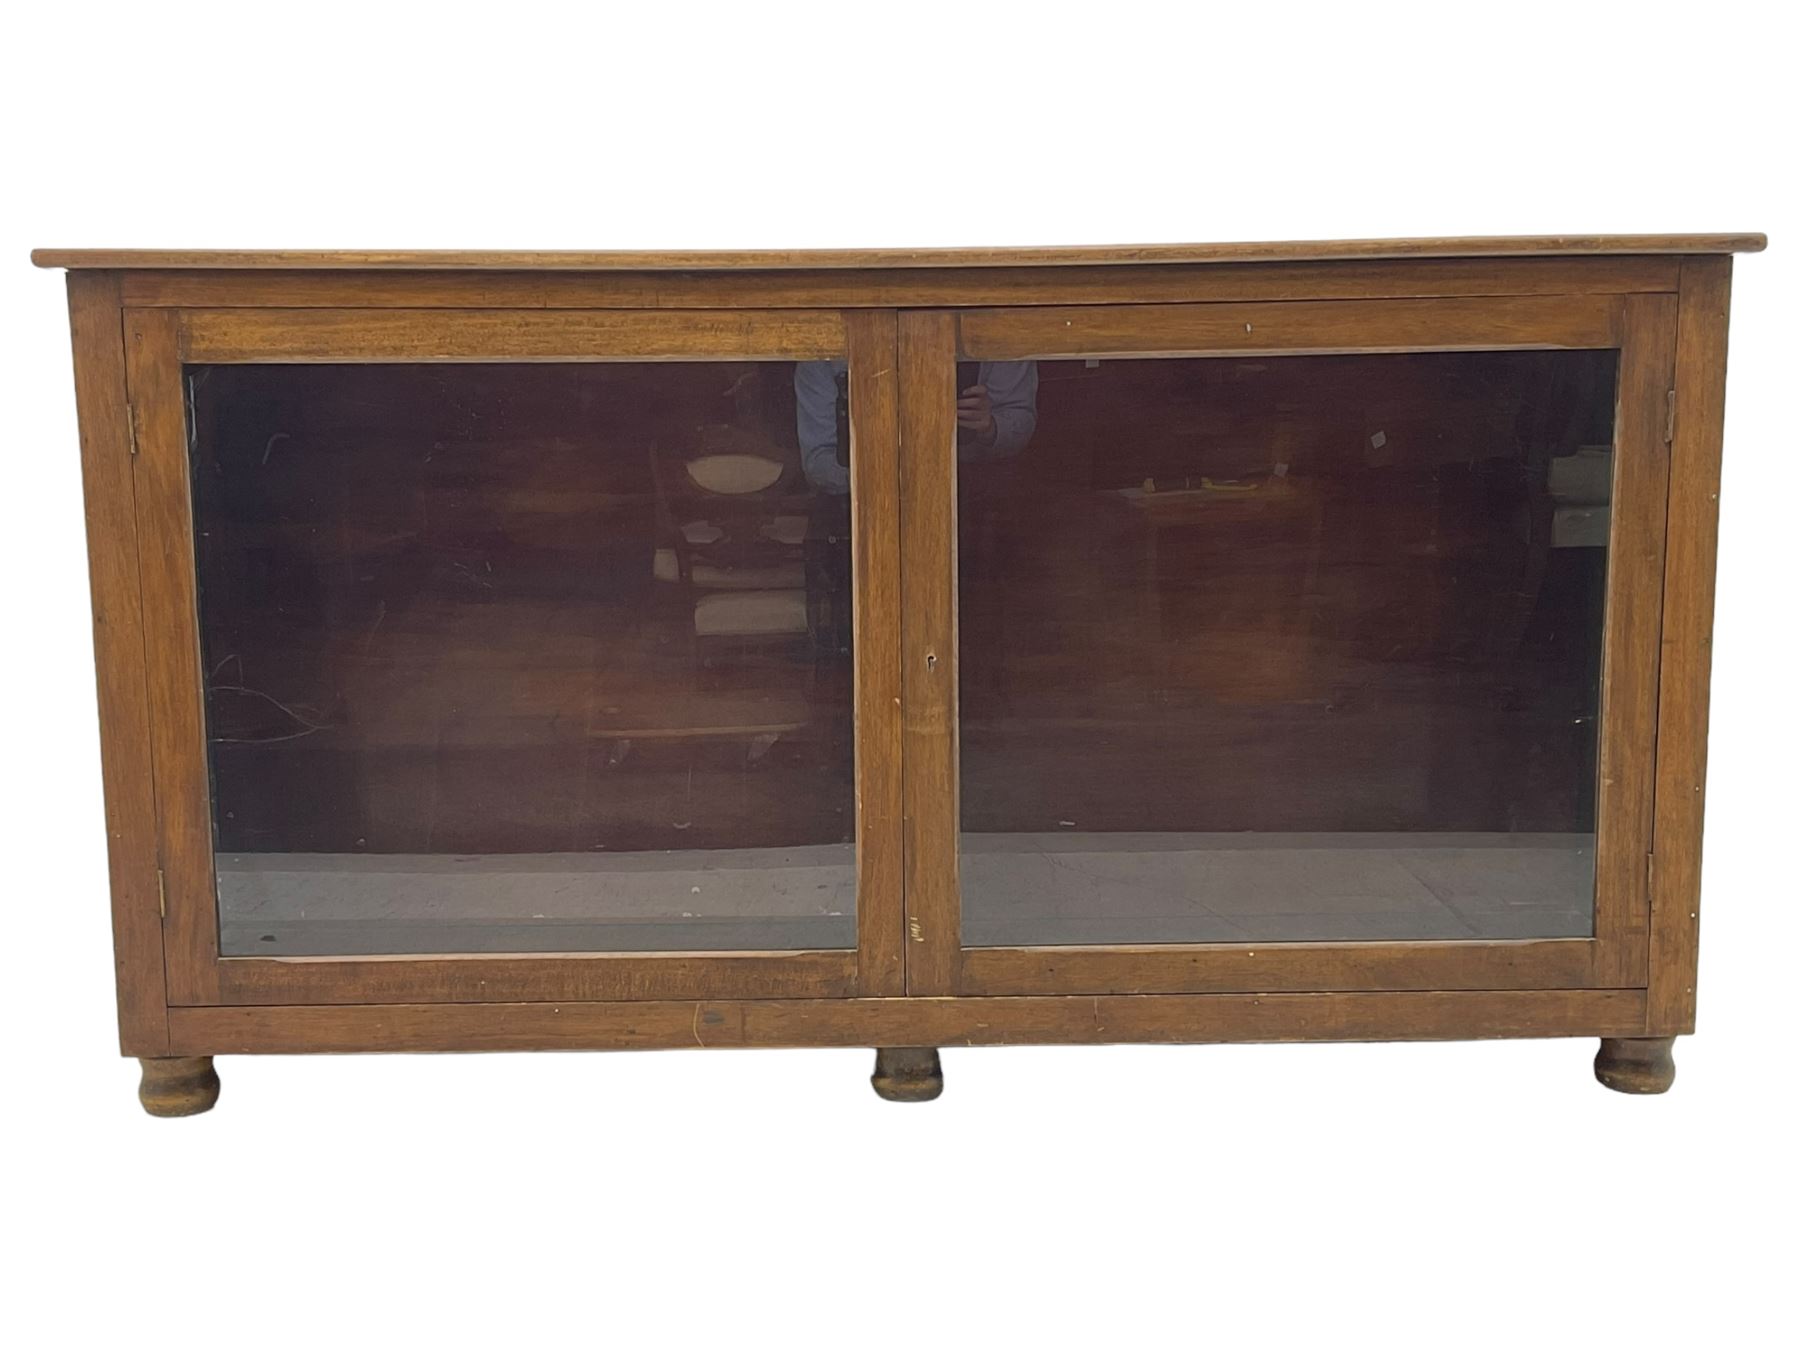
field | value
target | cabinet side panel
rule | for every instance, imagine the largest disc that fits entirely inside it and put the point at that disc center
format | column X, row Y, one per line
column 106, row 475
column 172, row 652
column 1692, row 552
column 1633, row 621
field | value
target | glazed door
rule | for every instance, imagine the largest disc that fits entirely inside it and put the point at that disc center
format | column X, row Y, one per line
column 521, row 656
column 1297, row 646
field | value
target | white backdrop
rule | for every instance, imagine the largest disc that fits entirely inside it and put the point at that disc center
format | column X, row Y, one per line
column 1464, row 1194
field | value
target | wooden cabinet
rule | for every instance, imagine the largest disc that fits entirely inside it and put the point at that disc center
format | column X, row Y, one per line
column 901, row 649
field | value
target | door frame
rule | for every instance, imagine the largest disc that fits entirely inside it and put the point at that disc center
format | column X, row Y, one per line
column 159, row 341
column 1640, row 326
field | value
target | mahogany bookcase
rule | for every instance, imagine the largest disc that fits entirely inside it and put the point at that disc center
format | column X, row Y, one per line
column 902, row 648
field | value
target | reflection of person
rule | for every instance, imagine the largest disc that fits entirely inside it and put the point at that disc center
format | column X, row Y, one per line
column 995, row 416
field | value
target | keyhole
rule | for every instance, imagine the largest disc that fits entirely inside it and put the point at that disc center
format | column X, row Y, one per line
column 931, row 660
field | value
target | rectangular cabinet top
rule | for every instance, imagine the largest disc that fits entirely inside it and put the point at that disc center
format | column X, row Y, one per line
column 890, row 258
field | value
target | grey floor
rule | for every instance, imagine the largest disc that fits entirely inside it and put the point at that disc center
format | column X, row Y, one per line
column 1072, row 889
column 1018, row 890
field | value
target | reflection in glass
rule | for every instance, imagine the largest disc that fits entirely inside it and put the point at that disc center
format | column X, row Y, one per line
column 522, row 658
column 1287, row 649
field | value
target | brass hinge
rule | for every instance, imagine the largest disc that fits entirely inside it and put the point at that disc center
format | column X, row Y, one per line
column 1650, row 879
column 1669, row 426
column 131, row 426
column 162, row 896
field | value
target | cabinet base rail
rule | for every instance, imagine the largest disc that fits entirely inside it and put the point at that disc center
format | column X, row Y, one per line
column 1014, row 1020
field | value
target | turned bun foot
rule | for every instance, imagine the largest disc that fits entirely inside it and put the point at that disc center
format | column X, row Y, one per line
column 908, row 1074
column 178, row 1087
column 1639, row 1065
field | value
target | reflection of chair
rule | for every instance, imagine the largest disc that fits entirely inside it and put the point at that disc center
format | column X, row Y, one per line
column 734, row 586
column 754, row 568
column 727, row 535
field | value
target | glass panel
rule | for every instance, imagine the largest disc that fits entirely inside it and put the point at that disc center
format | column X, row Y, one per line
column 526, row 657
column 1282, row 649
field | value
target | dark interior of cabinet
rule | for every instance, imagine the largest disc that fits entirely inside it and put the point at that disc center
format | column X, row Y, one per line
column 452, row 609
column 1354, row 597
